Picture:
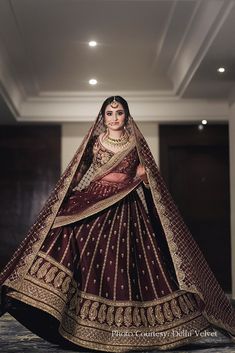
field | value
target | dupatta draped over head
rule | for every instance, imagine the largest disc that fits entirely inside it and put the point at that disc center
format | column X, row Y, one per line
column 192, row 271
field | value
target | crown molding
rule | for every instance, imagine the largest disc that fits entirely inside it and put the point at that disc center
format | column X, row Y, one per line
column 206, row 21
column 162, row 40
column 144, row 106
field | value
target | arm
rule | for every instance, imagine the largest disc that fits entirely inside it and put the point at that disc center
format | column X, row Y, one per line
column 141, row 173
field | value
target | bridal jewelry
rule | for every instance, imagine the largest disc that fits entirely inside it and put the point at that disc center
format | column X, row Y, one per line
column 114, row 103
column 117, row 143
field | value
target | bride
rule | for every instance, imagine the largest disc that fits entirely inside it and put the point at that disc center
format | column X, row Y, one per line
column 109, row 263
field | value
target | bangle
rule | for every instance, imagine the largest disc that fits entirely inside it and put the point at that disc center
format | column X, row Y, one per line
column 146, row 185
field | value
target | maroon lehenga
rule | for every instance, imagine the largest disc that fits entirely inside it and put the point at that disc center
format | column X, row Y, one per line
column 105, row 274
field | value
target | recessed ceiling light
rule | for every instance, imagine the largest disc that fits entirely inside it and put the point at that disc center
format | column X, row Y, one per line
column 92, row 43
column 204, row 122
column 200, row 127
column 221, row 69
column 93, row 81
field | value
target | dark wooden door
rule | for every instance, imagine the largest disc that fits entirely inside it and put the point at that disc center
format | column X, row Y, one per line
column 30, row 167
column 195, row 165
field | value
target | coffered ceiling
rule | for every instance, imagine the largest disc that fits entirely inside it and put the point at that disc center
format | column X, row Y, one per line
column 147, row 51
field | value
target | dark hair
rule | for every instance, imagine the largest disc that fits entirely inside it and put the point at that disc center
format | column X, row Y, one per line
column 118, row 99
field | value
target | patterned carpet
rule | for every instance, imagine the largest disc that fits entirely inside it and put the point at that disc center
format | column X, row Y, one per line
column 14, row 338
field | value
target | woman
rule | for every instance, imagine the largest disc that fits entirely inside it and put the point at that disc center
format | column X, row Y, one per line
column 109, row 264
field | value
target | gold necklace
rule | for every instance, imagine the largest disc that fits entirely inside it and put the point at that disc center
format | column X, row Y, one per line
column 120, row 142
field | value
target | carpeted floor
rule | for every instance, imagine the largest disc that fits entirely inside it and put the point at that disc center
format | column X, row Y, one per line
column 15, row 338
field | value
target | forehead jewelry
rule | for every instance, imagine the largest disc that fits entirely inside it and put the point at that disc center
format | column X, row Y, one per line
column 114, row 103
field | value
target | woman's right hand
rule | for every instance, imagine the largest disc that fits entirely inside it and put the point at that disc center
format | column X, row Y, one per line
column 141, row 173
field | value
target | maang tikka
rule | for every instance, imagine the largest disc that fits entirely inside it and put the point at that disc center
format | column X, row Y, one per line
column 114, row 103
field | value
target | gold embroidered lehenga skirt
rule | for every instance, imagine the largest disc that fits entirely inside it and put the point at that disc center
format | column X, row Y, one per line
column 107, row 281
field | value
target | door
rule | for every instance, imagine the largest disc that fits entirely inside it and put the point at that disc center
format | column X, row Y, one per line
column 195, row 166
column 30, row 167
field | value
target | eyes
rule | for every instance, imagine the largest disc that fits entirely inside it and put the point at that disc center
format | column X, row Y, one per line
column 119, row 113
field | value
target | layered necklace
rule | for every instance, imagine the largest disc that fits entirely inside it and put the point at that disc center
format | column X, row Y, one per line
column 121, row 142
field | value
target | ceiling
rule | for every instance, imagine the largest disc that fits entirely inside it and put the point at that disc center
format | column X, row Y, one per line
column 150, row 50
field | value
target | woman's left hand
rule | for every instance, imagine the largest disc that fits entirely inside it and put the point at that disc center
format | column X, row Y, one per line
column 141, row 173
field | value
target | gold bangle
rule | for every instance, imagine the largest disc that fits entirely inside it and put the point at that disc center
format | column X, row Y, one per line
column 146, row 185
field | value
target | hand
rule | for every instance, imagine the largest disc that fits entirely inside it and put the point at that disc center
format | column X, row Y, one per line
column 141, row 173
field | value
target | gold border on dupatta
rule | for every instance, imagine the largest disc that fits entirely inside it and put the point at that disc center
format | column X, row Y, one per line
column 99, row 206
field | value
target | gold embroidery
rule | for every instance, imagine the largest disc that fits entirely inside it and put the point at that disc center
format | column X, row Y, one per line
column 93, row 311
column 51, row 274
column 175, row 308
column 157, row 257
column 143, row 317
column 128, row 253
column 97, row 331
column 107, row 247
column 97, row 207
column 136, row 317
column 87, row 240
column 183, row 305
column 55, row 263
column 65, row 285
column 119, row 316
column 85, row 309
column 117, row 251
column 78, row 306
column 59, row 279
column 102, row 313
column 35, row 266
column 167, row 311
column 110, row 315
column 145, row 255
column 150, row 316
column 159, row 315
column 43, row 270
column 67, row 247
column 74, row 302
column 113, row 161
column 128, row 316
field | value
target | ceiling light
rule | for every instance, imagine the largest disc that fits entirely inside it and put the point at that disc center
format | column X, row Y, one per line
column 93, row 81
column 221, row 70
column 92, row 43
column 200, row 127
column 204, row 122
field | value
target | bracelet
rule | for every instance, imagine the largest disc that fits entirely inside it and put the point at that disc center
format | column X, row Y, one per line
column 146, row 185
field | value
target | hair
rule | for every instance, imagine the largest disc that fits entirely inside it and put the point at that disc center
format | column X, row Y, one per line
column 118, row 99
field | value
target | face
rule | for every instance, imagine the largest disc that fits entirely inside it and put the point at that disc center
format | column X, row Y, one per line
column 114, row 117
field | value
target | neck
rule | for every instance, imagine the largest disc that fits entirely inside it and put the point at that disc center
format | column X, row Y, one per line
column 116, row 134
